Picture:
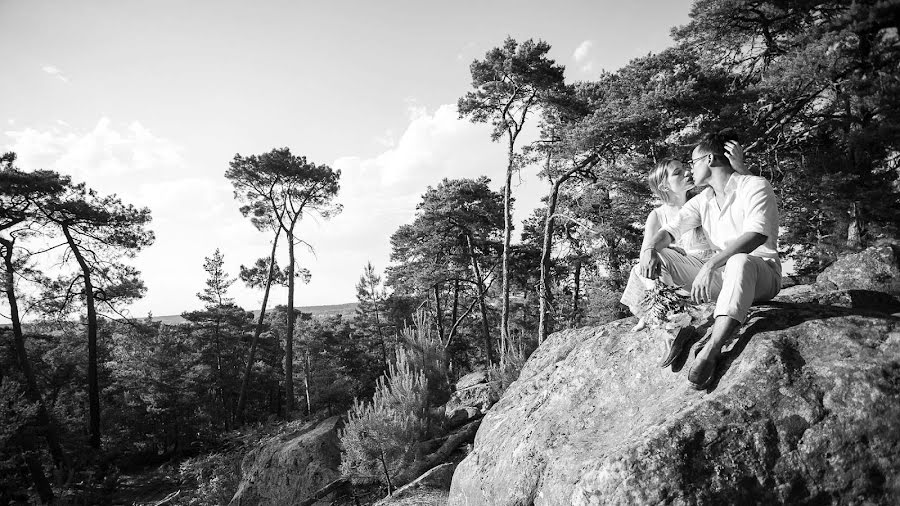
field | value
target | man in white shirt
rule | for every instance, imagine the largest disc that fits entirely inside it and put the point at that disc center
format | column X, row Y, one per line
column 739, row 215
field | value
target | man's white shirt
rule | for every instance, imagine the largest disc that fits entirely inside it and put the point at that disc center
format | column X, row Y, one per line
column 750, row 206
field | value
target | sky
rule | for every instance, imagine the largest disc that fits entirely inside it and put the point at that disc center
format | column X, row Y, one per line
column 150, row 100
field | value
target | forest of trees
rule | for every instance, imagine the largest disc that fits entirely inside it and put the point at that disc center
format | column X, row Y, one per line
column 811, row 87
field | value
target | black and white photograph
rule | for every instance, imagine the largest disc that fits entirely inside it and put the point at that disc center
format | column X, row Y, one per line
column 472, row 253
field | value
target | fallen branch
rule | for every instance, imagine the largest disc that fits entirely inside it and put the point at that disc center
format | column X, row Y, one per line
column 168, row 498
column 466, row 435
column 322, row 492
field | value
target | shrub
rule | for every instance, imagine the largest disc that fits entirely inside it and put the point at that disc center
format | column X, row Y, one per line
column 216, row 475
column 379, row 438
column 428, row 353
column 512, row 359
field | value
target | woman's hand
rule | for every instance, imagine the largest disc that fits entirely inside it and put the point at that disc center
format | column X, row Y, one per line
column 649, row 265
column 735, row 153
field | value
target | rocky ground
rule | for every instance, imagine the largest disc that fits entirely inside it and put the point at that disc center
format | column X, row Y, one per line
column 804, row 409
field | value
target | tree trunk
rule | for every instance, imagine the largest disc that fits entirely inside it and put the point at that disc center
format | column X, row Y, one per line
column 60, row 459
column 452, row 331
column 576, row 295
column 289, row 338
column 438, row 312
column 384, row 354
column 507, row 234
column 488, row 349
column 454, row 311
column 93, row 382
column 306, row 382
column 220, row 381
column 245, row 382
column 30, row 455
column 855, row 229
column 546, row 295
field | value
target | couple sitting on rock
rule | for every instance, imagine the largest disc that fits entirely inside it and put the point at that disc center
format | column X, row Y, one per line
column 720, row 245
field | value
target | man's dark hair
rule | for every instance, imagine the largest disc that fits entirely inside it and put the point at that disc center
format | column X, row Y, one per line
column 715, row 143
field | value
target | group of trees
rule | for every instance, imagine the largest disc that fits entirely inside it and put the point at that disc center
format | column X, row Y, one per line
column 811, row 88
column 139, row 387
column 40, row 212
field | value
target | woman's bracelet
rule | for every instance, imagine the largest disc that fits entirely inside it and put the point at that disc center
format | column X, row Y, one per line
column 645, row 249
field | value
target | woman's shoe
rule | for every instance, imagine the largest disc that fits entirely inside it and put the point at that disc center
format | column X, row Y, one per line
column 684, row 335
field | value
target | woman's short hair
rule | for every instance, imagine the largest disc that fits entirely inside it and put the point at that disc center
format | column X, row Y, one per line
column 657, row 178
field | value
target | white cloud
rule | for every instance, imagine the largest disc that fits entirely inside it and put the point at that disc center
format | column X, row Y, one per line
column 582, row 56
column 194, row 213
column 96, row 154
column 380, row 193
column 581, row 52
column 56, row 72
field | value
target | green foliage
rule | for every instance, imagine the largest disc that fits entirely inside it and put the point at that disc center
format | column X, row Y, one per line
column 338, row 364
column 428, row 353
column 508, row 82
column 822, row 110
column 380, row 436
column 449, row 256
column 370, row 323
column 17, row 415
column 217, row 282
column 277, row 190
column 507, row 369
column 215, row 476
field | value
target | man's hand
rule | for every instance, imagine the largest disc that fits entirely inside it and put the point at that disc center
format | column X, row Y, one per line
column 649, row 265
column 735, row 153
column 700, row 290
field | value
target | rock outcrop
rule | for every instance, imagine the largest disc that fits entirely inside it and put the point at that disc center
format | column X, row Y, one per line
column 804, row 409
column 291, row 467
column 475, row 393
column 876, row 269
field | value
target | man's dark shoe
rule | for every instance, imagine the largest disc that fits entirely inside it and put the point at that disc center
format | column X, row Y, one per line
column 701, row 373
column 684, row 335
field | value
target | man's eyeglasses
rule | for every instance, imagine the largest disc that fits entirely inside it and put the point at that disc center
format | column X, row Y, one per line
column 693, row 160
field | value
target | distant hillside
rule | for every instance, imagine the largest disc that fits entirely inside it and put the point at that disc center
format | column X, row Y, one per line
column 347, row 309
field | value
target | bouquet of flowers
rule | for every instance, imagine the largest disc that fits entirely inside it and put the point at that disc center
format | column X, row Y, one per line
column 664, row 306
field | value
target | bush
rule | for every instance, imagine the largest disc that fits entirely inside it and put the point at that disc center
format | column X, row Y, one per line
column 379, row 439
column 427, row 353
column 216, row 475
column 16, row 415
column 512, row 359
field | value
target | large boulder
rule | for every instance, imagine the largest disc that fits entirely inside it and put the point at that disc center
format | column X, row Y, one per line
column 876, row 268
column 805, row 409
column 292, row 466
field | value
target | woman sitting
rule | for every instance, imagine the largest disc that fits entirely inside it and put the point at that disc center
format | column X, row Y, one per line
column 670, row 182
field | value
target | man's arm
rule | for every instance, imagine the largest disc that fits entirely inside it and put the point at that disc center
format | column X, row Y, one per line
column 745, row 243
